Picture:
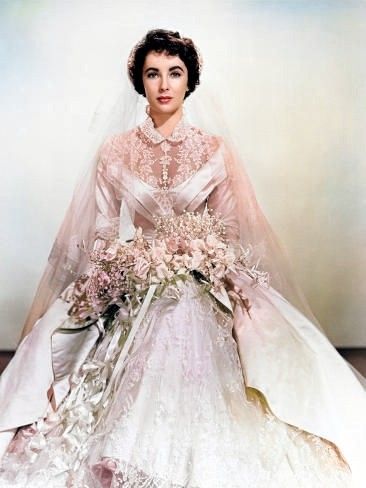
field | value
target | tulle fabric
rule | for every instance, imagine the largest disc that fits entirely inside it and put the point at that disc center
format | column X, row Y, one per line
column 82, row 222
column 80, row 227
column 115, row 113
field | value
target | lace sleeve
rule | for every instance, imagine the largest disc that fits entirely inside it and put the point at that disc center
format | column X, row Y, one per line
column 222, row 203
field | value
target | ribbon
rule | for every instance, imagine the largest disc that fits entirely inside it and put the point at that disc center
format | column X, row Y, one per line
column 121, row 362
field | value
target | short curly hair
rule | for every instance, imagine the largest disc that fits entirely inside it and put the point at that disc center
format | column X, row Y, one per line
column 161, row 40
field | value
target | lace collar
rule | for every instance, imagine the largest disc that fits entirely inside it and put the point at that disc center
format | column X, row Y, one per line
column 179, row 133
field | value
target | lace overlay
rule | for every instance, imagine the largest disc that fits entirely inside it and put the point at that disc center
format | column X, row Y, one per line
column 180, row 155
column 145, row 153
column 179, row 416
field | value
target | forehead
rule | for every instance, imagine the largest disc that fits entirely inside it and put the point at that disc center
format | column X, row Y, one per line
column 162, row 60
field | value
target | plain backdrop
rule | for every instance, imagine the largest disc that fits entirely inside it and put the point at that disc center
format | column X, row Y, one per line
column 293, row 72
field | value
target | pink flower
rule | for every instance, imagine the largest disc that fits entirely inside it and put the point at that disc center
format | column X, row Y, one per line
column 213, row 243
column 181, row 262
column 111, row 252
column 176, row 244
column 160, row 254
column 98, row 281
column 172, row 244
column 162, row 272
column 157, row 253
column 141, row 268
column 197, row 245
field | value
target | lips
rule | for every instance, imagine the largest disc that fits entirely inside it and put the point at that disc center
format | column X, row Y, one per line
column 164, row 99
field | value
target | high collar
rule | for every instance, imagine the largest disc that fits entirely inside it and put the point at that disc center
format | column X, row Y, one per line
column 179, row 133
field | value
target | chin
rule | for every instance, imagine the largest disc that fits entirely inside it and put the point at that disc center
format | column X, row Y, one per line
column 168, row 108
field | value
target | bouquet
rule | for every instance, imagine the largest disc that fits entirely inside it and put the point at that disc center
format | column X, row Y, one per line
column 188, row 245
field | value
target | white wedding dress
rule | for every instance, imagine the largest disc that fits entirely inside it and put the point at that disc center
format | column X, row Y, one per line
column 204, row 398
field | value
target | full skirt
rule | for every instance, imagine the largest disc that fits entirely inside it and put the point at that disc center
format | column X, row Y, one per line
column 175, row 412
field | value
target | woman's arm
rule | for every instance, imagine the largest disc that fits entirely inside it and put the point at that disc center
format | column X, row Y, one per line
column 222, row 203
column 107, row 202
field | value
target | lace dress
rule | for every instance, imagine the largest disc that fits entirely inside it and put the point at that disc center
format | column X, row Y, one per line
column 173, row 403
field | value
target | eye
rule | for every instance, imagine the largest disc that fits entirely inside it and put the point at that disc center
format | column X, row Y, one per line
column 152, row 74
column 176, row 74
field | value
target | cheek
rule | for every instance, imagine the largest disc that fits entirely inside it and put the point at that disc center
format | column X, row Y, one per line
column 149, row 90
column 181, row 85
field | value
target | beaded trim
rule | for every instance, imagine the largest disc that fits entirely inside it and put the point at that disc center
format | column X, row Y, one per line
column 179, row 133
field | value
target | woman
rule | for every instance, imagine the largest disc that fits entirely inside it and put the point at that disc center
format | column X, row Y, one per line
column 160, row 355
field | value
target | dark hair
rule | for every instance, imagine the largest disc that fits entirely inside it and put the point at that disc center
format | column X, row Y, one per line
column 161, row 40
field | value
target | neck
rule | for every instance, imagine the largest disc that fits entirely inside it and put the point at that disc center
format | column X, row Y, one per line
column 165, row 123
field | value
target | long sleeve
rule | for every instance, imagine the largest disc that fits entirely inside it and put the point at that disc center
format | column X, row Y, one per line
column 222, row 203
column 107, row 203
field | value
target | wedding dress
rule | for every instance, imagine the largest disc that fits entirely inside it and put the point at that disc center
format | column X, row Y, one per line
column 199, row 392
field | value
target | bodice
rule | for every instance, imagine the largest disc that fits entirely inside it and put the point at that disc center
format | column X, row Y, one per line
column 143, row 174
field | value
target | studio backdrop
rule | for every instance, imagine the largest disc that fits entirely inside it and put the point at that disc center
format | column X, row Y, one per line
column 290, row 74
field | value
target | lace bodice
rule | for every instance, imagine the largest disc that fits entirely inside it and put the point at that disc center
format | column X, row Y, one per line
column 142, row 174
column 167, row 162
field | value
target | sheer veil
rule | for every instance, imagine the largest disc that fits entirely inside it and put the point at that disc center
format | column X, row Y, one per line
column 116, row 112
column 121, row 110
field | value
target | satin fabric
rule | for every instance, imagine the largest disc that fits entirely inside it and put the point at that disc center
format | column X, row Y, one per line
column 305, row 382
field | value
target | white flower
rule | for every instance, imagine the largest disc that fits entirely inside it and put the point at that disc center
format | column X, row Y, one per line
column 157, row 254
column 197, row 245
column 162, row 272
column 181, row 262
column 197, row 259
column 213, row 243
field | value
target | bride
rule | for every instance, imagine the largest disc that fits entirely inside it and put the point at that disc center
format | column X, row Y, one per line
column 158, row 351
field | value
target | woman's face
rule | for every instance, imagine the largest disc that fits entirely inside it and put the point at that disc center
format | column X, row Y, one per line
column 165, row 79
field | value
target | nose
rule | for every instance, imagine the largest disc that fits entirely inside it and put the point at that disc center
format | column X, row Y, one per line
column 164, row 85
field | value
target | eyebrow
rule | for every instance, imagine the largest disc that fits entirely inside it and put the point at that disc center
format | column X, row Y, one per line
column 170, row 69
